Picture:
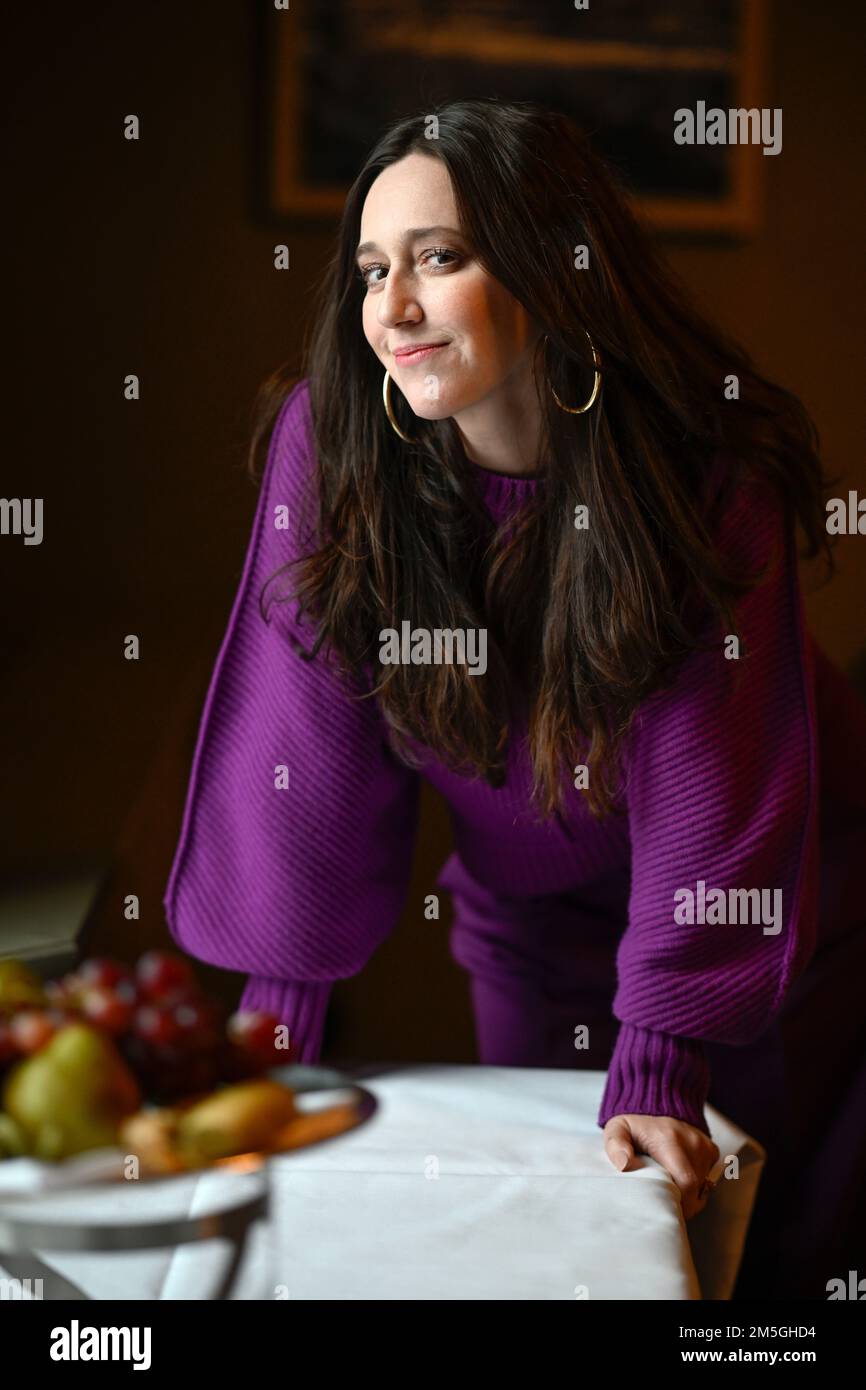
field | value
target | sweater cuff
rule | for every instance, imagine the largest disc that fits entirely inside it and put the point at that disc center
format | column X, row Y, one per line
column 656, row 1074
column 301, row 1004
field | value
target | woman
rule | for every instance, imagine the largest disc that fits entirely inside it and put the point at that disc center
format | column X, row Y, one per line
column 517, row 433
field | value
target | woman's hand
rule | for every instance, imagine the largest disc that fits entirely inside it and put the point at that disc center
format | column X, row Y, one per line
column 686, row 1153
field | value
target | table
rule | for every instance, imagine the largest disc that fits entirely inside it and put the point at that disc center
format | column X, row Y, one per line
column 469, row 1182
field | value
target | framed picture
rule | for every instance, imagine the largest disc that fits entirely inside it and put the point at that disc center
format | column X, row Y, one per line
column 339, row 71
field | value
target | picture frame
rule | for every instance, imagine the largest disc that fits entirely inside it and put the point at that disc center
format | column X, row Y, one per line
column 339, row 71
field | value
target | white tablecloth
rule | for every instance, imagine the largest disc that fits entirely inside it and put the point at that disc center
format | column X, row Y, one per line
column 469, row 1183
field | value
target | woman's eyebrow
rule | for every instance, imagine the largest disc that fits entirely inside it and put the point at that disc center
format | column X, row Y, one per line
column 411, row 234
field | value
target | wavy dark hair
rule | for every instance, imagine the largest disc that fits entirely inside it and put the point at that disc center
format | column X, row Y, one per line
column 582, row 625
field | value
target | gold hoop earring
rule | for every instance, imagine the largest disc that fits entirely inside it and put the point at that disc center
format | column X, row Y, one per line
column 389, row 410
column 596, row 385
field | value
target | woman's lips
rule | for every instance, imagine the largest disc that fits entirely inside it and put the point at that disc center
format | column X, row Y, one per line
column 407, row 357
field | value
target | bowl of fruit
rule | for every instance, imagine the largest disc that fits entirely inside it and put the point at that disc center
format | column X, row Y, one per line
column 118, row 1071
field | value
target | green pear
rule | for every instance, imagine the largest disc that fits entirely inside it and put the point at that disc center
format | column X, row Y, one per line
column 12, row 1141
column 72, row 1094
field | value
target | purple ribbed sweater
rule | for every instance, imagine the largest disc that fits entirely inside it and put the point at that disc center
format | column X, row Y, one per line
column 298, row 886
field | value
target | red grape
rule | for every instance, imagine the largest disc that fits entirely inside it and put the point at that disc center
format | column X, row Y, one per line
column 154, row 1025
column 110, row 1008
column 251, row 1044
column 164, row 977
column 30, row 1029
column 197, row 1022
column 253, row 1029
column 102, row 971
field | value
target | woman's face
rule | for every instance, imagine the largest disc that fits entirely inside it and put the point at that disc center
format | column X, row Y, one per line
column 424, row 286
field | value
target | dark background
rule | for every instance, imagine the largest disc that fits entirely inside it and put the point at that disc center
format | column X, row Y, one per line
column 156, row 257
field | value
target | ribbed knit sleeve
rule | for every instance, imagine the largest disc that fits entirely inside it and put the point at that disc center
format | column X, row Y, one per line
column 722, row 792
column 298, row 830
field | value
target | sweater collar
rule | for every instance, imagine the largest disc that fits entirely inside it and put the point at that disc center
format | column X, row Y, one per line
column 501, row 491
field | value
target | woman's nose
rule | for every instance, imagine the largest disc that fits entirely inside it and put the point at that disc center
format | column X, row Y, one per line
column 396, row 304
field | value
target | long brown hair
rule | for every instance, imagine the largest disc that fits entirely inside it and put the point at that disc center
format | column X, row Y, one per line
column 582, row 625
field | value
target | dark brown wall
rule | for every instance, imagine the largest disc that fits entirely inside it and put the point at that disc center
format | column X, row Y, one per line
column 148, row 258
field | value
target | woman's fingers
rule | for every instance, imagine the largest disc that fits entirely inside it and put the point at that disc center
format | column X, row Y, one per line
column 686, row 1153
column 684, row 1167
column 618, row 1142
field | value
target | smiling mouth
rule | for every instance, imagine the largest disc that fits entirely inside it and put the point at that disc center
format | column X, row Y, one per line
column 406, row 356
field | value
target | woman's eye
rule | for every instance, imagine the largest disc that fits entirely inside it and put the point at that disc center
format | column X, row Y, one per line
column 440, row 251
column 365, row 273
